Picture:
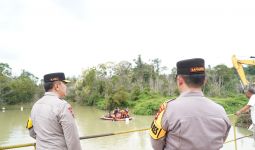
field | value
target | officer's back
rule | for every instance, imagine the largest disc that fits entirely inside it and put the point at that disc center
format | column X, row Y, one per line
column 52, row 121
column 192, row 121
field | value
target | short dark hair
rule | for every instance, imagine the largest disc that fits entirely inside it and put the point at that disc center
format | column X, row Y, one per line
column 48, row 86
column 194, row 80
column 251, row 90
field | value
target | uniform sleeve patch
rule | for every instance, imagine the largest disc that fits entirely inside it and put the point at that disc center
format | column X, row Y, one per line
column 70, row 109
column 156, row 131
column 29, row 123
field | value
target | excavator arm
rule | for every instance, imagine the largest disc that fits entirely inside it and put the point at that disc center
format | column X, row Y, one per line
column 238, row 65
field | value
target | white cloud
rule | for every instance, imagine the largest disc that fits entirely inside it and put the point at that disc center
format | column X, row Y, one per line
column 48, row 36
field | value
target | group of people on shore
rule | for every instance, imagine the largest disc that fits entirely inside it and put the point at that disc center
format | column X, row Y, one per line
column 190, row 122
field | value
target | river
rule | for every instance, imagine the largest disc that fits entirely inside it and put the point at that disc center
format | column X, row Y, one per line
column 13, row 131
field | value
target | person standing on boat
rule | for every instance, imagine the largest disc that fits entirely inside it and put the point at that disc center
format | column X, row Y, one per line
column 191, row 121
column 250, row 94
column 52, row 122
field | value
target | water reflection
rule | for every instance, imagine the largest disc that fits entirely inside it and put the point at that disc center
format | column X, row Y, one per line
column 13, row 123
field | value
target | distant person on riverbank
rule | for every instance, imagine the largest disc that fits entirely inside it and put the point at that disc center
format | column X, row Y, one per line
column 52, row 121
column 250, row 94
column 191, row 121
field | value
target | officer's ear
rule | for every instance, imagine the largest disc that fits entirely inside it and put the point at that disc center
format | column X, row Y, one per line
column 56, row 85
column 180, row 80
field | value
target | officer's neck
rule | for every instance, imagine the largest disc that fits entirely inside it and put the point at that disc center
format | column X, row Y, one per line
column 56, row 92
column 185, row 88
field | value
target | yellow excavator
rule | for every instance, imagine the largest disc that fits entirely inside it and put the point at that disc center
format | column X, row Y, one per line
column 238, row 65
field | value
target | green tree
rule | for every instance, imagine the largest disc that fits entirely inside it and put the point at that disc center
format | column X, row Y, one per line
column 71, row 95
column 88, row 87
column 23, row 89
column 221, row 81
column 5, row 79
column 5, row 70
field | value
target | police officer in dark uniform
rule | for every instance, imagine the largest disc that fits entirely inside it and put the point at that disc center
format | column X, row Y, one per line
column 191, row 121
column 52, row 122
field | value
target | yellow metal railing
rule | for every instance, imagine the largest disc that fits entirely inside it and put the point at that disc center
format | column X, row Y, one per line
column 81, row 138
column 130, row 131
column 17, row 146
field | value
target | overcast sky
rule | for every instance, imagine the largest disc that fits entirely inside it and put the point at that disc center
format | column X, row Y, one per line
column 72, row 35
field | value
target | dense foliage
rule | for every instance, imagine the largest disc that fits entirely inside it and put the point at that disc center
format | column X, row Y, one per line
column 17, row 89
column 144, row 86
column 140, row 85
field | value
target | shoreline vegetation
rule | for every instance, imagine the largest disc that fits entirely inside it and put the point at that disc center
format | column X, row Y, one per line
column 140, row 86
column 149, row 106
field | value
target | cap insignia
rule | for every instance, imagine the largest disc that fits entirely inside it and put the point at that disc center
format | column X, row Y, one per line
column 197, row 69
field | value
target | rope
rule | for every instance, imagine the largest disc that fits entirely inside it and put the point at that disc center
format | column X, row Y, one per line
column 238, row 138
column 109, row 134
column 102, row 135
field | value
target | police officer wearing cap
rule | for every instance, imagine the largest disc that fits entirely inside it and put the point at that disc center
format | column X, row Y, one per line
column 52, row 121
column 191, row 121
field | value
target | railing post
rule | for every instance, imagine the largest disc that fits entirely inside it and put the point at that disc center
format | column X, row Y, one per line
column 234, row 126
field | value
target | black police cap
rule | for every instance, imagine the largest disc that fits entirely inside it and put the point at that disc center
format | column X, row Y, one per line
column 191, row 66
column 58, row 76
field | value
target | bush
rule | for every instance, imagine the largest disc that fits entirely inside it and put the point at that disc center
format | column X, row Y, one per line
column 232, row 104
column 149, row 106
column 101, row 104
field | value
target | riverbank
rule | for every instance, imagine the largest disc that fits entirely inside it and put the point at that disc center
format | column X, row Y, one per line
column 231, row 104
column 151, row 105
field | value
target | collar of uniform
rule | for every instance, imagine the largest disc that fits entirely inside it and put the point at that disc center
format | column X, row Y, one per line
column 190, row 93
column 50, row 94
